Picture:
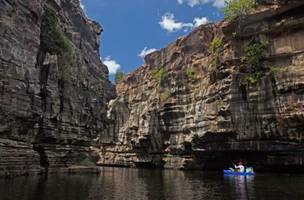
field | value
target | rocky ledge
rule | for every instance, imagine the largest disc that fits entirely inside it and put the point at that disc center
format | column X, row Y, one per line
column 53, row 87
column 227, row 91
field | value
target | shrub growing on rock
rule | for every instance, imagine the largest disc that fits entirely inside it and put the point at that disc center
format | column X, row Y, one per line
column 253, row 59
column 52, row 39
column 119, row 76
column 55, row 42
column 253, row 53
column 235, row 8
column 158, row 74
column 215, row 46
column 191, row 74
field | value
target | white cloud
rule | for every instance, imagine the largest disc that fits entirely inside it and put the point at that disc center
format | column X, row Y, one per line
column 146, row 51
column 192, row 3
column 200, row 21
column 219, row 3
column 169, row 23
column 112, row 65
column 81, row 5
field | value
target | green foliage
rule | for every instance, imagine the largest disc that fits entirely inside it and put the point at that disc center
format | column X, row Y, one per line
column 215, row 46
column 52, row 39
column 253, row 53
column 253, row 79
column 191, row 74
column 55, row 42
column 235, row 8
column 253, row 58
column 118, row 76
column 158, row 74
column 213, row 64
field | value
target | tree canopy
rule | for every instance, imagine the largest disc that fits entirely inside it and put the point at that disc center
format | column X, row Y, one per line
column 235, row 8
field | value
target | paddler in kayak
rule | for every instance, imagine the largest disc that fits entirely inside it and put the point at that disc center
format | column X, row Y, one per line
column 239, row 167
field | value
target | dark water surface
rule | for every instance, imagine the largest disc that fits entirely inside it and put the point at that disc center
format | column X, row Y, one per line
column 135, row 184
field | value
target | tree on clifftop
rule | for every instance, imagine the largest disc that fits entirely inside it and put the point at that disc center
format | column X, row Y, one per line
column 235, row 8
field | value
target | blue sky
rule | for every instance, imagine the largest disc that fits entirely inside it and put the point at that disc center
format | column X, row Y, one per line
column 134, row 27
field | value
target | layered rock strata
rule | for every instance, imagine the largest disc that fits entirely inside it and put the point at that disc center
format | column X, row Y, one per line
column 49, row 119
column 227, row 91
column 201, row 103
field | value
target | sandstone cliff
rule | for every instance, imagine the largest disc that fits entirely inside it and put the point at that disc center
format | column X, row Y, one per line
column 227, row 91
column 53, row 86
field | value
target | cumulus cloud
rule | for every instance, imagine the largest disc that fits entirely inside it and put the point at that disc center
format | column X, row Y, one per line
column 200, row 21
column 169, row 23
column 81, row 5
column 189, row 2
column 192, row 3
column 219, row 3
column 112, row 65
column 146, row 51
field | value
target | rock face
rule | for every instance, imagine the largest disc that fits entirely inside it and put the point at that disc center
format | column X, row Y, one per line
column 227, row 91
column 49, row 119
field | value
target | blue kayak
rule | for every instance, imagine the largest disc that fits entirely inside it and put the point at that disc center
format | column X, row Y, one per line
column 232, row 173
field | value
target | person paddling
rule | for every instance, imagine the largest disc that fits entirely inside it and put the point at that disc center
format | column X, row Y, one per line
column 239, row 167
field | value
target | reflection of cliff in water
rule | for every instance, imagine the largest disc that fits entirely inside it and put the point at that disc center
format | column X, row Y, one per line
column 135, row 184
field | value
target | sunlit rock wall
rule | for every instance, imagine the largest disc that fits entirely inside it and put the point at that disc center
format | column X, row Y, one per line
column 191, row 115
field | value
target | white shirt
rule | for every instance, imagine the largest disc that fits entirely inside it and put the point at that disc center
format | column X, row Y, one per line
column 240, row 168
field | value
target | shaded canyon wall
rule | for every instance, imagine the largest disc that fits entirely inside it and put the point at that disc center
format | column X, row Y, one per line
column 51, row 111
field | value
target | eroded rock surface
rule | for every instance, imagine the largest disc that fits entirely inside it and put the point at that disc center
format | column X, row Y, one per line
column 198, row 103
column 177, row 111
column 47, row 123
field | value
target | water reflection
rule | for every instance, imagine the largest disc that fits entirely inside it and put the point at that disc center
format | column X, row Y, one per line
column 133, row 184
column 243, row 186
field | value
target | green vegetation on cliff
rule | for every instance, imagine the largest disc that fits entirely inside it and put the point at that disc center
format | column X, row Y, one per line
column 253, row 53
column 235, row 8
column 191, row 74
column 55, row 42
column 52, row 38
column 118, row 76
column 158, row 74
column 253, row 59
column 215, row 46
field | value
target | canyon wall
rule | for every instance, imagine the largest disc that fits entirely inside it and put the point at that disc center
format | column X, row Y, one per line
column 51, row 110
column 227, row 91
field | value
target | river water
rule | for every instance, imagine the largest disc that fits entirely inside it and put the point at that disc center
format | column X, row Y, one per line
column 137, row 184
